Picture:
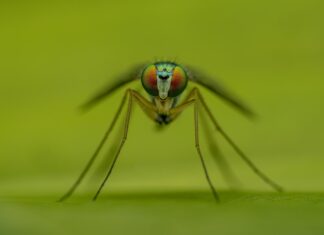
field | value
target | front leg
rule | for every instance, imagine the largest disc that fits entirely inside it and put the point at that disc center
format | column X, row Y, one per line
column 176, row 111
column 192, row 98
column 148, row 107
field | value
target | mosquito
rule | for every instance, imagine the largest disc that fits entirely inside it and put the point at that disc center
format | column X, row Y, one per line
column 165, row 82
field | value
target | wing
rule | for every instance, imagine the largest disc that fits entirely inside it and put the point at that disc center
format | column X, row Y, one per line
column 216, row 88
column 120, row 81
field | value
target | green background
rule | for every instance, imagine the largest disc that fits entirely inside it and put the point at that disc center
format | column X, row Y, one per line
column 55, row 55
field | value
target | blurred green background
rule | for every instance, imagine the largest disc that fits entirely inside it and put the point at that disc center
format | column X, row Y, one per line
column 55, row 55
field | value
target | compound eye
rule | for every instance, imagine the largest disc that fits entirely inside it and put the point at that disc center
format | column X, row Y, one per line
column 179, row 81
column 149, row 80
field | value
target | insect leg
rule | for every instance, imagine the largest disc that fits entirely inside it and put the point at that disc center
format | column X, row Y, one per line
column 197, row 145
column 236, row 148
column 129, row 109
column 217, row 155
column 148, row 107
column 175, row 113
column 95, row 154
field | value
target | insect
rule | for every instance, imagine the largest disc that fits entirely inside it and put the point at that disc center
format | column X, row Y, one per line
column 165, row 82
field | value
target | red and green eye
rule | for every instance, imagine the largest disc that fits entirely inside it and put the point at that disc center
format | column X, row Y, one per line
column 149, row 81
column 179, row 81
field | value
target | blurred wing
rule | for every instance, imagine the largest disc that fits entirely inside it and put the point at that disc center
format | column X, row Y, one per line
column 120, row 81
column 217, row 89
